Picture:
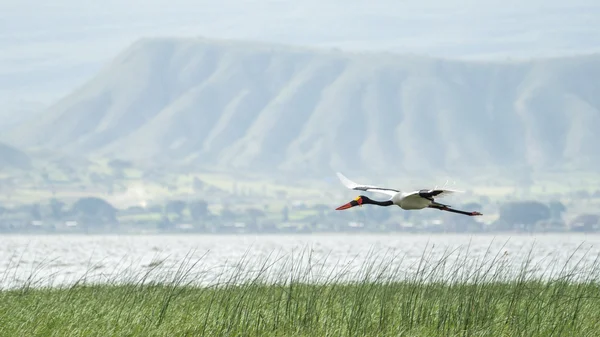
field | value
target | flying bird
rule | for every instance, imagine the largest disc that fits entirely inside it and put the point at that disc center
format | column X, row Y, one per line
column 408, row 201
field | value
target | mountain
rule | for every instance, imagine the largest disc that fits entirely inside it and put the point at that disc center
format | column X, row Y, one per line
column 15, row 113
column 251, row 106
column 11, row 157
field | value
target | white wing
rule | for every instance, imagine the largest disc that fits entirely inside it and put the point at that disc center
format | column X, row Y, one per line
column 442, row 193
column 436, row 193
column 359, row 187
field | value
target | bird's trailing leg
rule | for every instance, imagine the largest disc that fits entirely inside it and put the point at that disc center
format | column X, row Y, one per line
column 448, row 209
column 435, row 204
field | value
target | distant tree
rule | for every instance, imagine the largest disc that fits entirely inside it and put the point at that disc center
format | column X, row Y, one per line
column 376, row 215
column 582, row 194
column 198, row 210
column 48, row 181
column 34, row 211
column 285, row 214
column 177, row 207
column 523, row 213
column 321, row 209
column 94, row 211
column 586, row 223
column 45, row 176
column 164, row 223
column 255, row 214
column 557, row 208
column 132, row 210
column 56, row 207
column 227, row 214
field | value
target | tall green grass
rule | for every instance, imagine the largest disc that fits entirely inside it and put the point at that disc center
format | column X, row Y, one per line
column 300, row 295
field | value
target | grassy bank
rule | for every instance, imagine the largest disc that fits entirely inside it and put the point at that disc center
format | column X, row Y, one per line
column 438, row 298
column 367, row 309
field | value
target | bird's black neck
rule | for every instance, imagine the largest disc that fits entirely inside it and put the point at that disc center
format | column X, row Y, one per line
column 379, row 203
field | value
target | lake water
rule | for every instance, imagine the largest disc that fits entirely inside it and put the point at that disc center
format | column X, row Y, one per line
column 216, row 259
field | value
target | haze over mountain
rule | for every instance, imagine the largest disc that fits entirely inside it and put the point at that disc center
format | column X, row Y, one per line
column 11, row 157
column 244, row 105
column 47, row 48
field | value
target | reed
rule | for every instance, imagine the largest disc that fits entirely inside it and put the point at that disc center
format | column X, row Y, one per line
column 296, row 295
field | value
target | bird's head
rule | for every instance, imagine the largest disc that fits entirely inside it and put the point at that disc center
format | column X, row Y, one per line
column 358, row 201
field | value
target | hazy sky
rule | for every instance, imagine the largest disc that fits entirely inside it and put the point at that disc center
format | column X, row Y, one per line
column 49, row 47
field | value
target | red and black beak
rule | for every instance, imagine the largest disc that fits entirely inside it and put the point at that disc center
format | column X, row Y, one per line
column 355, row 202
